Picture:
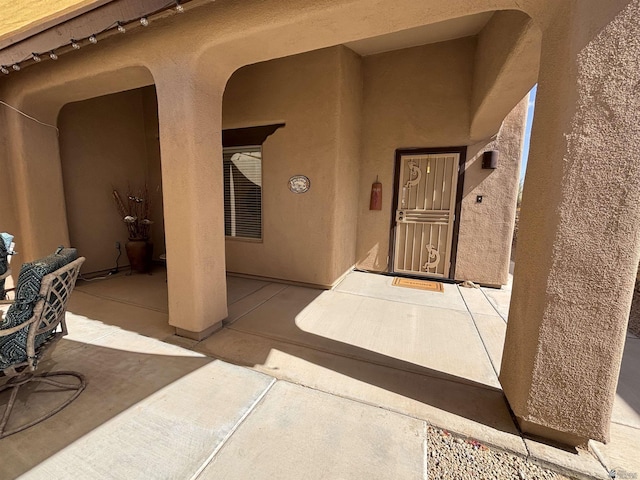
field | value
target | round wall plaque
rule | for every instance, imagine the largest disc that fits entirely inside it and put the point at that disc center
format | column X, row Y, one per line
column 299, row 184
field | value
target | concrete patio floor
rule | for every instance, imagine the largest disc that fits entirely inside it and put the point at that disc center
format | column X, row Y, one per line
column 300, row 382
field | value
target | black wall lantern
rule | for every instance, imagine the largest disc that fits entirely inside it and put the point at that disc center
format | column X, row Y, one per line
column 490, row 160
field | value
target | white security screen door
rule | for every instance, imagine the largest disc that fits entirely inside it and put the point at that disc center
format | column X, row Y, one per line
column 425, row 213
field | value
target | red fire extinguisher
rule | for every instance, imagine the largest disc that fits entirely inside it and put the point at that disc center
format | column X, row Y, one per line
column 376, row 196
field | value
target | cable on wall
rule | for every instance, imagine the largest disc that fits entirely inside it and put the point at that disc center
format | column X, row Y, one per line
column 30, row 117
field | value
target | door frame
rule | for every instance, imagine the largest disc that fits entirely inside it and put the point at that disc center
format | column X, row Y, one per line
column 462, row 151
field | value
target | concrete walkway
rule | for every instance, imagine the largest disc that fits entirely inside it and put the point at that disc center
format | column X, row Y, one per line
column 339, row 384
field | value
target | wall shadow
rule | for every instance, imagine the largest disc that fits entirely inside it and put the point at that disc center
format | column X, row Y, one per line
column 116, row 381
column 454, row 394
column 457, row 395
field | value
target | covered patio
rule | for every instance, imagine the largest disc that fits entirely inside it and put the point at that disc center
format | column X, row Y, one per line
column 579, row 223
column 297, row 379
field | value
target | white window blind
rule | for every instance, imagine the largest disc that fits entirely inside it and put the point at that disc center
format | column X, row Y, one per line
column 243, row 192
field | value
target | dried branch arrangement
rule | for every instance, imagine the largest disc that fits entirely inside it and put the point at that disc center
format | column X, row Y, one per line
column 134, row 212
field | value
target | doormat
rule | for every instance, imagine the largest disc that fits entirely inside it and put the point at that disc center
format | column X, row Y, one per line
column 418, row 284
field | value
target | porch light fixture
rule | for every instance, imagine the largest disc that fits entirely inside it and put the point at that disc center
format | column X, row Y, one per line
column 75, row 44
column 179, row 8
column 375, row 203
column 53, row 55
column 490, row 160
column 16, row 67
column 144, row 21
column 121, row 29
column 4, row 70
column 93, row 39
column 36, row 57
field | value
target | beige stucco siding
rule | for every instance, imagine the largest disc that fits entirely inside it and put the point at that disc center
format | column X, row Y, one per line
column 348, row 133
column 8, row 218
column 154, row 168
column 104, row 144
column 486, row 228
column 506, row 67
column 301, row 233
column 579, row 225
column 363, row 109
column 417, row 97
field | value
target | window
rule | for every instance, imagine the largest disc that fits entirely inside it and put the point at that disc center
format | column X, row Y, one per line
column 243, row 192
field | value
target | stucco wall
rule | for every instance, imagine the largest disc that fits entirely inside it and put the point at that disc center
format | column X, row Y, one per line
column 348, row 133
column 486, row 228
column 154, row 168
column 403, row 102
column 305, row 237
column 417, row 97
column 506, row 67
column 579, row 226
column 228, row 36
column 105, row 143
column 8, row 218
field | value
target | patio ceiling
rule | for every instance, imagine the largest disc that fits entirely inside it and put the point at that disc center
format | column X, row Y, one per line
column 433, row 33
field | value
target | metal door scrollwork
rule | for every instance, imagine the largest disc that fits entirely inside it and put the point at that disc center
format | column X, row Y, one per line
column 415, row 175
column 431, row 253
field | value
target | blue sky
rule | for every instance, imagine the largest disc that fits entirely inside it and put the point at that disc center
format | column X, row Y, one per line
column 527, row 133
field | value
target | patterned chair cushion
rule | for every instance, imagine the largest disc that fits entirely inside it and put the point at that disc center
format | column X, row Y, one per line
column 13, row 347
column 4, row 265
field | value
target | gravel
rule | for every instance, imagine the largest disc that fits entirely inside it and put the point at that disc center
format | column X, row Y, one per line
column 453, row 458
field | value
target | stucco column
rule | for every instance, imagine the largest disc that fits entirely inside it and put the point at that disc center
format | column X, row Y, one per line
column 580, row 225
column 189, row 113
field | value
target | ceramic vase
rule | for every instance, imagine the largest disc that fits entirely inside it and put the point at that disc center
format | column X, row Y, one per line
column 139, row 253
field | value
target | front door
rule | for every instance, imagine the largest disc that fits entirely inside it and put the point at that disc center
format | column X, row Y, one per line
column 425, row 213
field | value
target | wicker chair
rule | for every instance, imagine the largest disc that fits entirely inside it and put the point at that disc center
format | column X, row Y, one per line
column 30, row 328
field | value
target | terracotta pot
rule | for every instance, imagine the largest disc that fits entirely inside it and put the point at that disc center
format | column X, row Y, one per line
column 139, row 253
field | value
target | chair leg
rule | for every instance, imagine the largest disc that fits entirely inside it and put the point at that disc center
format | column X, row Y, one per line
column 18, row 382
column 9, row 408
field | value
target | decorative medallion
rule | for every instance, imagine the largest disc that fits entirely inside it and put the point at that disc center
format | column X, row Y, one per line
column 299, row 184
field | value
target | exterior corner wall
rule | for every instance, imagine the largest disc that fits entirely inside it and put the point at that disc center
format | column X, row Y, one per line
column 486, row 229
column 417, row 97
column 348, row 133
column 153, row 172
